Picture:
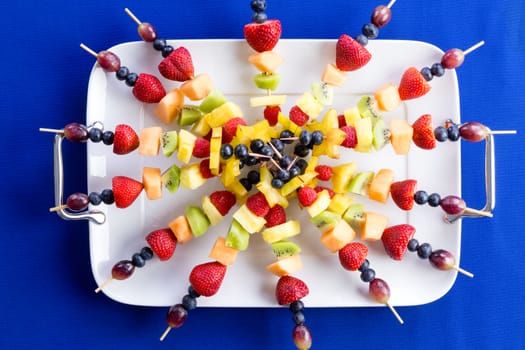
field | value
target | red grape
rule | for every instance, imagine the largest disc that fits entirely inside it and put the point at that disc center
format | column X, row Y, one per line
column 473, row 131
column 122, row 270
column 452, row 58
column 176, row 316
column 379, row 290
column 76, row 132
column 77, row 201
column 147, row 32
column 452, row 205
column 302, row 337
column 381, row 16
column 442, row 259
column 108, row 61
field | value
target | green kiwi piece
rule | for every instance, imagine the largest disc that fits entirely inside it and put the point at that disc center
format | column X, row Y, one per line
column 355, row 216
column 171, row 178
column 360, row 182
column 267, row 81
column 367, row 107
column 189, row 115
column 213, row 100
column 169, row 141
column 323, row 93
column 198, row 221
column 326, row 217
column 381, row 134
column 237, row 236
column 284, row 248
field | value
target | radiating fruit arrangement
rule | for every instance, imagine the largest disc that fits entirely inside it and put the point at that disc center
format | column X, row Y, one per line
column 263, row 168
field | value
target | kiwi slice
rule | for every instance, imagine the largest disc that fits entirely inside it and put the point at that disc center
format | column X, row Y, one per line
column 171, row 178
column 326, row 217
column 360, row 182
column 367, row 107
column 381, row 134
column 284, row 248
column 189, row 115
column 213, row 100
column 355, row 216
column 237, row 237
column 323, row 93
column 198, row 221
column 169, row 141
column 267, row 81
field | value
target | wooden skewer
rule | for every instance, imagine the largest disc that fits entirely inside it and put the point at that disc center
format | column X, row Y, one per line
column 478, row 212
column 104, row 284
column 163, row 336
column 473, row 47
column 133, row 17
column 395, row 313
column 88, row 50
column 57, row 208
column 464, row 272
column 292, row 163
column 54, row 131
column 275, row 150
column 275, row 163
column 391, row 3
column 502, row 132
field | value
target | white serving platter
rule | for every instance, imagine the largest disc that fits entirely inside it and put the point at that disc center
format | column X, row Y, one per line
column 248, row 284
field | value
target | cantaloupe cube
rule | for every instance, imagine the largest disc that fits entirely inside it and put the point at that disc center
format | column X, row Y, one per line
column 337, row 236
column 387, row 97
column 286, row 266
column 197, row 88
column 152, row 181
column 379, row 188
column 222, row 253
column 401, row 136
column 373, row 226
column 333, row 76
column 266, row 61
column 181, row 229
column 168, row 109
column 150, row 141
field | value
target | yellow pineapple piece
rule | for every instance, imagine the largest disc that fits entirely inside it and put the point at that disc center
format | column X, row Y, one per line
column 340, row 202
column 321, row 203
column 215, row 150
column 363, row 130
column 279, row 232
column 351, row 115
column 230, row 171
column 190, row 176
column 201, row 127
column 238, row 190
column 309, row 105
column 330, row 121
column 213, row 214
column 342, row 175
column 186, row 144
column 271, row 100
column 248, row 220
column 220, row 115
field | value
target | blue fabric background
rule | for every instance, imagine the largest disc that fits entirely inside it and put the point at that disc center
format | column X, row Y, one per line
column 47, row 299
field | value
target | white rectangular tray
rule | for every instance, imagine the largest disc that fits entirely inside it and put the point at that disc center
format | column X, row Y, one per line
column 247, row 284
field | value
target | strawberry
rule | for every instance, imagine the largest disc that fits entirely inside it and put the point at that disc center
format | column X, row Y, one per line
column 306, row 196
column 204, row 167
column 148, row 89
column 423, row 136
column 230, row 128
column 402, row 193
column 207, row 278
column 168, row 70
column 323, row 188
column 223, row 201
column 201, row 148
column 271, row 114
column 350, row 55
column 162, row 242
column 125, row 139
column 352, row 255
column 263, row 36
column 276, row 216
column 298, row 116
column 351, row 136
column 324, row 172
column 290, row 289
column 395, row 240
column 178, row 65
column 412, row 85
column 125, row 190
column 341, row 120
column 257, row 204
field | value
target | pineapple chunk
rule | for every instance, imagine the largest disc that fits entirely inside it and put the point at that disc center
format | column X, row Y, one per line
column 248, row 220
column 321, row 203
column 213, row 214
column 271, row 100
column 215, row 150
column 190, row 176
column 230, row 171
column 309, row 105
column 342, row 175
column 363, row 130
column 279, row 232
column 186, row 144
column 220, row 115
column 351, row 115
column 330, row 121
column 340, row 202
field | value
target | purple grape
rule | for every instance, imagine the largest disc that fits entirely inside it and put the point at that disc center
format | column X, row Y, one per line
column 381, row 16
column 379, row 291
column 77, row 201
column 452, row 58
column 442, row 259
column 473, row 131
column 147, row 32
column 76, row 132
column 108, row 61
column 122, row 270
column 176, row 316
column 453, row 205
column 302, row 337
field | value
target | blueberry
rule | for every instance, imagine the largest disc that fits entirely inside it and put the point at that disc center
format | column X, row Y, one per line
column 301, row 150
column 122, row 73
column 251, row 161
column 226, row 151
column 285, row 161
column 441, row 133
column 259, row 17
column 364, row 265
column 95, row 198
column 278, row 144
column 283, row 174
column 294, row 171
column 434, row 199
column 427, row 73
column 107, row 196
column 107, row 137
column 305, row 137
column 241, row 151
column 286, row 134
column 192, row 292
column 246, row 183
column 412, row 245
column 256, row 145
column 95, row 134
column 189, row 302
column 421, row 197
column 159, row 44
column 266, row 151
column 298, row 318
column 146, row 253
column 137, row 260
column 254, row 177
column 296, row 306
column 368, row 275
column 167, row 50
column 258, row 5
column 370, row 31
column 362, row 39
column 453, row 133
column 424, row 250
column 437, row 70
column 302, row 164
column 131, row 79
column 317, row 137
column 277, row 183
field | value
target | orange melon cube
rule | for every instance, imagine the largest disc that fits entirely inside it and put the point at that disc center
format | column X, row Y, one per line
column 286, row 266
column 373, row 226
column 181, row 229
column 379, row 188
column 222, row 253
column 266, row 61
column 333, row 76
column 152, row 181
column 150, row 141
column 197, row 88
column 387, row 97
column 337, row 236
column 168, row 109
column 401, row 135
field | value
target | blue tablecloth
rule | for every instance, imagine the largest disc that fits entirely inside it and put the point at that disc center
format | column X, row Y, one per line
column 47, row 299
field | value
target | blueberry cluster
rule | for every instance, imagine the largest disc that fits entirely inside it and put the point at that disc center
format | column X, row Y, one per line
column 422, row 197
column 452, row 133
column 106, row 197
column 139, row 259
column 124, row 74
column 379, row 18
column 258, row 7
column 436, row 70
column 76, row 132
column 423, row 250
column 125, row 268
column 297, row 308
column 367, row 274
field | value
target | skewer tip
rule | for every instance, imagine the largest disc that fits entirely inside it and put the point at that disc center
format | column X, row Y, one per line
column 165, row 334
column 391, row 3
column 396, row 314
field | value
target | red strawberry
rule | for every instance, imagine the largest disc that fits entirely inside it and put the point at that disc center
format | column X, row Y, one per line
column 125, row 139
column 162, row 242
column 290, row 289
column 223, row 201
column 276, row 216
column 351, row 136
column 298, row 116
column 204, row 167
column 178, row 65
column 324, row 172
column 271, row 114
column 402, row 193
column 168, row 70
column 125, row 190
column 412, row 85
column 323, row 188
column 306, row 196
column 341, row 120
column 258, row 204
column 423, row 135
column 395, row 240
column 207, row 278
column 230, row 128
column 353, row 255
column 201, row 148
column 350, row 55
column 263, row 36
column 148, row 89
